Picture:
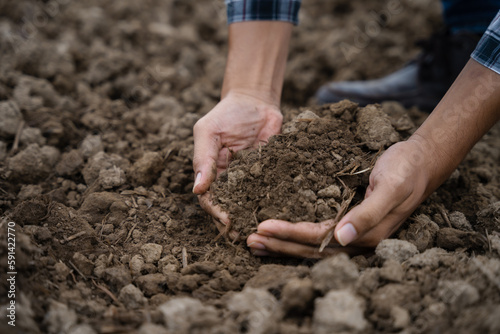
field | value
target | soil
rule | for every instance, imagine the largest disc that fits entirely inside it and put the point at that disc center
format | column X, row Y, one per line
column 309, row 171
column 97, row 104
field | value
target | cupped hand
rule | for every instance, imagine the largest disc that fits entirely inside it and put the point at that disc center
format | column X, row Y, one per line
column 239, row 121
column 400, row 180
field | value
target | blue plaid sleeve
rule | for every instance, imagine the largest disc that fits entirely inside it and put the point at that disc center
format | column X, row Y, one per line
column 262, row 10
column 487, row 51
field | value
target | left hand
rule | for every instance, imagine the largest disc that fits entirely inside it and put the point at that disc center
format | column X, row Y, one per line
column 401, row 179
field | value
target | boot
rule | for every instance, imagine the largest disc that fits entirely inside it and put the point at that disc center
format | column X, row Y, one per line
column 422, row 82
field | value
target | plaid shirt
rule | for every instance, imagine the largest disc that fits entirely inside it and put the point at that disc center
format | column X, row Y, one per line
column 262, row 10
column 487, row 51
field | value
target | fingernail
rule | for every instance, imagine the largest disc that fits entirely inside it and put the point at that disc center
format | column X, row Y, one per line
column 258, row 252
column 346, row 234
column 197, row 181
column 256, row 245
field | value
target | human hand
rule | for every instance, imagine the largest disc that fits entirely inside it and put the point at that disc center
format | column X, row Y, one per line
column 239, row 121
column 401, row 179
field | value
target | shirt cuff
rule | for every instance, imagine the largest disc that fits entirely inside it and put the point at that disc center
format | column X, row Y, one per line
column 487, row 51
column 263, row 10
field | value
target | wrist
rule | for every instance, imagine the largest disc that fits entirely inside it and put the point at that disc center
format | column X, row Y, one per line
column 257, row 59
column 264, row 96
column 432, row 159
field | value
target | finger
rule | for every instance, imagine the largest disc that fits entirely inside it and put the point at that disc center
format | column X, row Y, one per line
column 267, row 246
column 303, row 232
column 214, row 210
column 362, row 218
column 233, row 235
column 207, row 146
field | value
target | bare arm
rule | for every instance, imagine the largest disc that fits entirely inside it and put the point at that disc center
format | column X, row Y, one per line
column 249, row 109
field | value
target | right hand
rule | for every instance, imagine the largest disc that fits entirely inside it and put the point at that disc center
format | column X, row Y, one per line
column 238, row 121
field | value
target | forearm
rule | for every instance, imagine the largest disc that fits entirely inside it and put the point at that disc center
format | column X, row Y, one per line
column 468, row 110
column 257, row 58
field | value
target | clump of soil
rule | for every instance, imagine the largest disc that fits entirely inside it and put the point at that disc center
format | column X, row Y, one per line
column 309, row 171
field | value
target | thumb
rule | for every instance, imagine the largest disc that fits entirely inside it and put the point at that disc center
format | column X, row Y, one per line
column 379, row 202
column 206, row 151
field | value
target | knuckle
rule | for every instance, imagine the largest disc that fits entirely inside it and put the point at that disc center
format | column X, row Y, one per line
column 368, row 218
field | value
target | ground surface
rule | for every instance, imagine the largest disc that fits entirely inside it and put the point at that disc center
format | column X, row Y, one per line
column 97, row 104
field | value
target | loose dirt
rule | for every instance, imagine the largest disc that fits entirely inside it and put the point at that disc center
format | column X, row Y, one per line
column 97, row 104
column 309, row 171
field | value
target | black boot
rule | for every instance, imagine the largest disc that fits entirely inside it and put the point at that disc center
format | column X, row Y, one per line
column 422, row 82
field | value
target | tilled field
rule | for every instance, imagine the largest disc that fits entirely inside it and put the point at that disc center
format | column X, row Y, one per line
column 97, row 104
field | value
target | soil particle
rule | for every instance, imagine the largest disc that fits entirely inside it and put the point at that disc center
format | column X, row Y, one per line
column 494, row 240
column 102, row 161
column 460, row 294
column 117, row 277
column 400, row 317
column 151, row 252
column 61, row 271
column 146, row 170
column 82, row 329
column 11, row 118
column 33, row 93
column 152, row 284
column 188, row 315
column 394, row 294
column 59, row 318
column 168, row 263
column 459, row 221
column 136, row 264
column 3, row 150
column 256, row 310
column 297, row 296
column 149, row 328
column 111, row 178
column 375, row 128
column 96, row 206
column 91, row 145
column 368, row 282
column 70, row 163
column 273, row 277
column 394, row 249
column 430, row 258
column 422, row 232
column 31, row 135
column 339, row 311
column 392, row 271
column 31, row 212
column 451, row 239
column 83, row 263
column 333, row 273
column 32, row 164
column 332, row 191
column 207, row 268
column 132, row 297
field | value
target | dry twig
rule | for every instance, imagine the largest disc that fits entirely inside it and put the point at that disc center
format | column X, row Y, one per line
column 106, row 291
column 184, row 257
column 335, row 221
column 77, row 270
column 15, row 146
column 444, row 215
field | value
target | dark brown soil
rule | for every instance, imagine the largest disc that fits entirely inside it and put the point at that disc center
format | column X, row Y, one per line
column 307, row 172
column 97, row 104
